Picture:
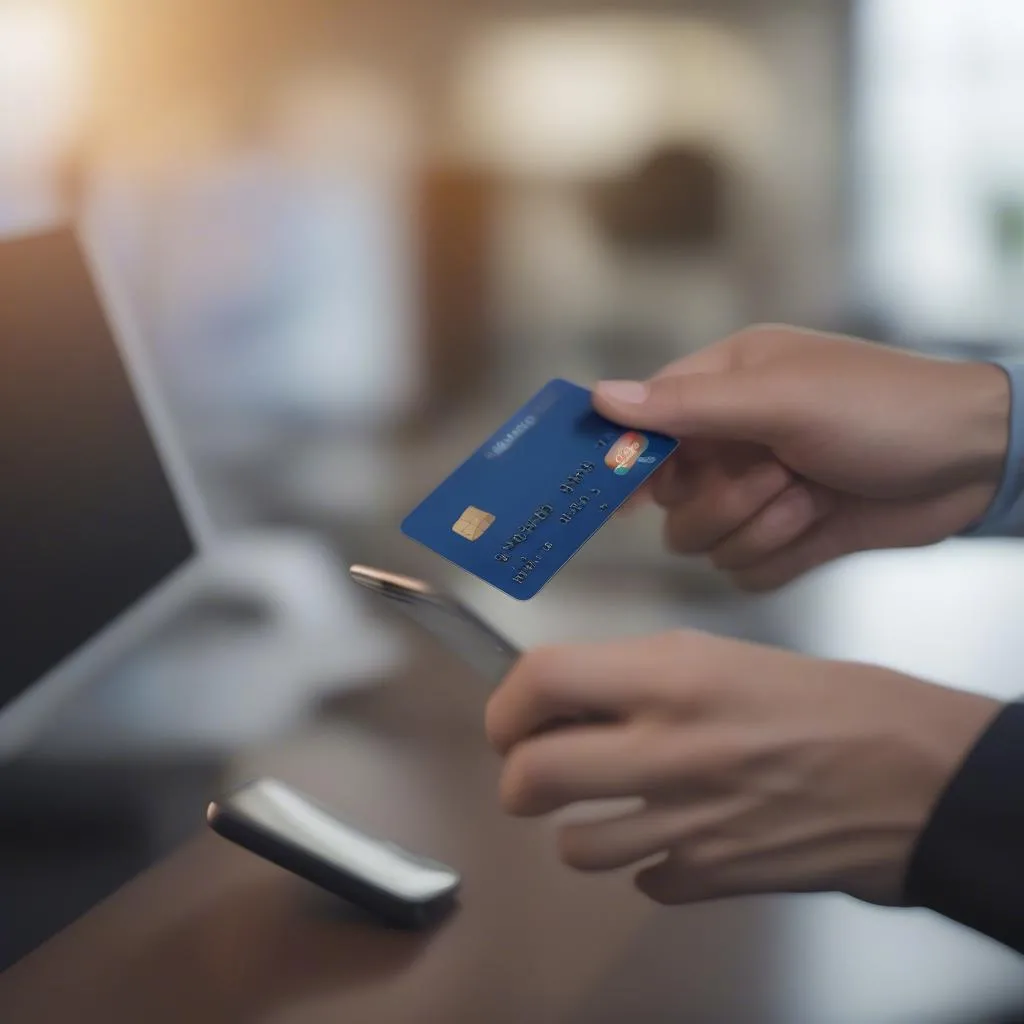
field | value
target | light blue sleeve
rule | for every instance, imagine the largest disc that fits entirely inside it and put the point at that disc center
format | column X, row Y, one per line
column 1005, row 516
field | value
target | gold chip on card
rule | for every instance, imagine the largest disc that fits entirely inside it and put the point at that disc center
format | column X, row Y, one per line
column 473, row 523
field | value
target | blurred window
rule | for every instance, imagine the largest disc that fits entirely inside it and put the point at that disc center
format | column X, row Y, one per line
column 43, row 93
column 940, row 165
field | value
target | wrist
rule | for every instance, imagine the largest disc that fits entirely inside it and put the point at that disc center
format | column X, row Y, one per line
column 983, row 399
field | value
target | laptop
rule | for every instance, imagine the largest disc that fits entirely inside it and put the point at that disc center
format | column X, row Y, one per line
column 101, row 523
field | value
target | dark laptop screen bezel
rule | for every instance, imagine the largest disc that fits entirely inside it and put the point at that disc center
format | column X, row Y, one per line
column 146, row 538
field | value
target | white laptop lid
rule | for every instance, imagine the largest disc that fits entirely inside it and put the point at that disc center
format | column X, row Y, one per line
column 99, row 518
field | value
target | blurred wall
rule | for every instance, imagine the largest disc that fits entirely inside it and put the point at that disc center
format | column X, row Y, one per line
column 589, row 93
column 169, row 73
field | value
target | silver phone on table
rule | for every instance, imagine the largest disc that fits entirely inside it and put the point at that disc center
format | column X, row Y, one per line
column 446, row 618
column 287, row 828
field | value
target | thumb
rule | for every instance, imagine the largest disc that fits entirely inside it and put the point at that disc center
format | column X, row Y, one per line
column 727, row 405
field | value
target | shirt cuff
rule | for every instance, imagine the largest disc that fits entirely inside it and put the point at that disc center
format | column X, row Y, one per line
column 968, row 861
column 1005, row 516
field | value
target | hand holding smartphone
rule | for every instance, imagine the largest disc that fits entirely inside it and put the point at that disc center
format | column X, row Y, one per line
column 281, row 825
column 457, row 628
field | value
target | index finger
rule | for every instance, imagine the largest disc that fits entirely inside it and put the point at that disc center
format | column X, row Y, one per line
column 554, row 684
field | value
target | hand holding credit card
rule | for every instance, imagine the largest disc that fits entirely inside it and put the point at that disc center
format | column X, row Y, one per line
column 536, row 491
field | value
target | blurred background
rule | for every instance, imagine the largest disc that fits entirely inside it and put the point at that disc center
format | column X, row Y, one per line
column 357, row 235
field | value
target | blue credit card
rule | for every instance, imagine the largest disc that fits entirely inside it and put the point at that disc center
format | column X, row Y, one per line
column 536, row 491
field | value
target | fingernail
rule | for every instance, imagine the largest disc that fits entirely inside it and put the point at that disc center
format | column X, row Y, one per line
column 632, row 392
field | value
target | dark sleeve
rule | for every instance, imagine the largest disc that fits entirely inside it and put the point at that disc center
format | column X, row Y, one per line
column 969, row 861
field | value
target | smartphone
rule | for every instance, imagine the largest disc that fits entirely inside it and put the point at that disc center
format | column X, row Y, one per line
column 281, row 825
column 447, row 619
column 460, row 630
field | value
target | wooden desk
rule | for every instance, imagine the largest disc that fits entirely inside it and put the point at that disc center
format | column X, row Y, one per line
column 215, row 934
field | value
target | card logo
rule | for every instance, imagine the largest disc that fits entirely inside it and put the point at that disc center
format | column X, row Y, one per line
column 505, row 442
column 624, row 454
column 473, row 523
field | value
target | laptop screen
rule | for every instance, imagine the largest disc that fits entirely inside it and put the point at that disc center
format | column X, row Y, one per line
column 88, row 520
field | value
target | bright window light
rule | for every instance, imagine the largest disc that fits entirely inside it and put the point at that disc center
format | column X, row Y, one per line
column 941, row 163
column 589, row 95
column 40, row 82
column 557, row 100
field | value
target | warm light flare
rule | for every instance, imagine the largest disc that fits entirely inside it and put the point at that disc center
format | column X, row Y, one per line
column 588, row 96
column 41, row 82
